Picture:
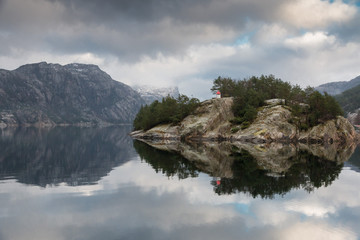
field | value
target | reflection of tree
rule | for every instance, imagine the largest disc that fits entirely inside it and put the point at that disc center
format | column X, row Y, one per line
column 73, row 155
column 170, row 164
column 308, row 172
column 305, row 170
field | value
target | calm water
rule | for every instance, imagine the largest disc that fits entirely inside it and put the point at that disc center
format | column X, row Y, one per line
column 74, row 183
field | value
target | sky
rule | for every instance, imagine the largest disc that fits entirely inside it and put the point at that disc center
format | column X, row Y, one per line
column 187, row 43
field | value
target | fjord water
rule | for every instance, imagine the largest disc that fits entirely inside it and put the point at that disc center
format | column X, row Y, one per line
column 97, row 183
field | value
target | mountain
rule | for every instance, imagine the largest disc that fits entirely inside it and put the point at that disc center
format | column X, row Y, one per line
column 150, row 94
column 335, row 88
column 52, row 94
column 350, row 99
column 350, row 102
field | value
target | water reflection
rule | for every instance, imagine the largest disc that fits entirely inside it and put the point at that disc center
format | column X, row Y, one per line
column 72, row 155
column 168, row 163
column 135, row 202
column 354, row 160
column 258, row 170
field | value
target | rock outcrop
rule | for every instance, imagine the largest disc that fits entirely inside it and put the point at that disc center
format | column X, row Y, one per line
column 51, row 94
column 211, row 121
column 354, row 117
column 338, row 130
column 272, row 124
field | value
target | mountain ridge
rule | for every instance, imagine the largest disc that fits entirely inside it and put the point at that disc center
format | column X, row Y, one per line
column 335, row 88
column 151, row 94
column 51, row 94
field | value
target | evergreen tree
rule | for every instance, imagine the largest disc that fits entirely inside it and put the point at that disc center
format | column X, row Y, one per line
column 169, row 110
column 250, row 94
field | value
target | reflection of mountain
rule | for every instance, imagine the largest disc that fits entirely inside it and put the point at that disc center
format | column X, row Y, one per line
column 260, row 170
column 72, row 155
column 354, row 160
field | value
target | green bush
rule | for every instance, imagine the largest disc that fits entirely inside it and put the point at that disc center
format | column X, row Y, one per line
column 236, row 120
column 245, row 125
column 235, row 129
column 304, row 127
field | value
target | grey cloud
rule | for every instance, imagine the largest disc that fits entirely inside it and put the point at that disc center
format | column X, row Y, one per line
column 134, row 28
column 349, row 31
column 129, row 29
column 227, row 12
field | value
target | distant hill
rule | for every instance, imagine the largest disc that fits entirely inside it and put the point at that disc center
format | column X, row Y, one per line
column 350, row 103
column 350, row 99
column 335, row 88
column 49, row 94
column 150, row 94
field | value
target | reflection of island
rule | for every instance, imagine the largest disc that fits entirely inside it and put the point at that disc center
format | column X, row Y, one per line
column 168, row 163
column 72, row 155
column 260, row 170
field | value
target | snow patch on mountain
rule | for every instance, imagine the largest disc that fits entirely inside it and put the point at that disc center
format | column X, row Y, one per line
column 151, row 93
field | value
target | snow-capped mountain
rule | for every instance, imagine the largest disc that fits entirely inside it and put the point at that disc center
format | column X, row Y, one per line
column 150, row 93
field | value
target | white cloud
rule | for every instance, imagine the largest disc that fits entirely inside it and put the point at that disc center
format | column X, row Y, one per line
column 316, row 13
column 322, row 65
column 184, row 71
column 311, row 41
column 20, row 57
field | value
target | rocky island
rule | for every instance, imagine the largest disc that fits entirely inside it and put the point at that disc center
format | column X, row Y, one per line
column 211, row 121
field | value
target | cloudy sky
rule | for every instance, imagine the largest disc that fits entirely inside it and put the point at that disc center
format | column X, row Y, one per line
column 187, row 43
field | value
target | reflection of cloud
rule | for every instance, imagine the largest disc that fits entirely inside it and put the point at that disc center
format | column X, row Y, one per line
column 326, row 202
column 308, row 208
column 129, row 207
column 269, row 213
column 316, row 230
column 134, row 201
